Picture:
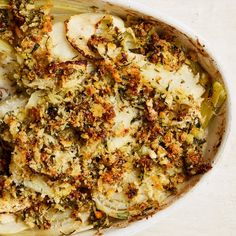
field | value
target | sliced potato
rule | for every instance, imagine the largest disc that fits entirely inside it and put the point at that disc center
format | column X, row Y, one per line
column 60, row 47
column 12, row 104
column 7, row 63
column 81, row 69
column 39, row 183
column 61, row 224
column 11, row 205
column 10, row 225
column 80, row 28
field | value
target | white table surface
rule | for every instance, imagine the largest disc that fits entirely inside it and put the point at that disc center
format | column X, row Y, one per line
column 211, row 208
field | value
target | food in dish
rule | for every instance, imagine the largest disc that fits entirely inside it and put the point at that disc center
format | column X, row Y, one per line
column 102, row 119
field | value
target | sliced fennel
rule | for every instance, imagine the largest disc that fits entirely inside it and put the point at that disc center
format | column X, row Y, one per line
column 219, row 95
column 5, row 47
column 210, row 105
column 117, row 208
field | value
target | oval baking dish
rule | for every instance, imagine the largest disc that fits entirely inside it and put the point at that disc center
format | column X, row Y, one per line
column 217, row 129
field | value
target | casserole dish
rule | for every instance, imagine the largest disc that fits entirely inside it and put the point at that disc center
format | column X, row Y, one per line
column 218, row 126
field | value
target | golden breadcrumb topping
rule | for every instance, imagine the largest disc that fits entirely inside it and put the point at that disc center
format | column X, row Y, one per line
column 110, row 133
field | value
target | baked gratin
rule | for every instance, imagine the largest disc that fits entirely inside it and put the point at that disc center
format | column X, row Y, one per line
column 102, row 119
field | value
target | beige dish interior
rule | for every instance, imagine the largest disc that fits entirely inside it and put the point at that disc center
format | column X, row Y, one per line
column 218, row 126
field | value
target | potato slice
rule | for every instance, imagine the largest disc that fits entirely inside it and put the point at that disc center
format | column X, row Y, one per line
column 9, row 225
column 11, row 205
column 61, row 49
column 80, row 28
column 39, row 183
column 7, row 63
column 61, row 224
column 12, row 104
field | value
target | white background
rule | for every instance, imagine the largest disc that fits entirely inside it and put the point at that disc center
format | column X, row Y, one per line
column 211, row 208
